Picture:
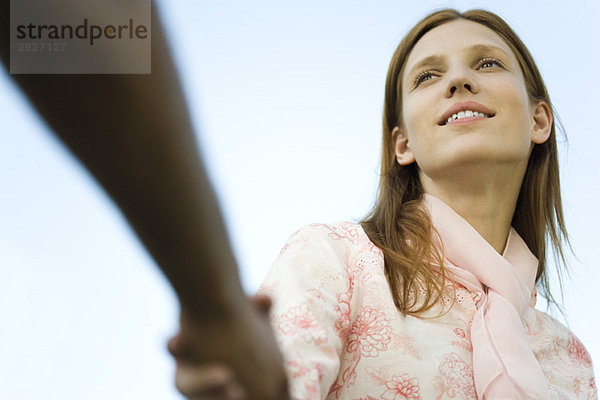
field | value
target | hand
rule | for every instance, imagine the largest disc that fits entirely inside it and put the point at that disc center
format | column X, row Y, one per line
column 232, row 357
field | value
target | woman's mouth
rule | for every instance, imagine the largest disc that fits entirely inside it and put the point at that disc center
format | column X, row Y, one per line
column 464, row 117
column 464, row 112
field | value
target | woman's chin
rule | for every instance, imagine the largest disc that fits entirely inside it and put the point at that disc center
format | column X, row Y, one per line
column 470, row 163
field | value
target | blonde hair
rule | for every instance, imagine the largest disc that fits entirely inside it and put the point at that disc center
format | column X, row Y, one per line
column 399, row 226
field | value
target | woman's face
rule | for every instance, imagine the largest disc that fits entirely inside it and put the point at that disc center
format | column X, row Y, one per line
column 464, row 71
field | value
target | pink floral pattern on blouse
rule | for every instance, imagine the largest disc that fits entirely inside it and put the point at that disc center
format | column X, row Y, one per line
column 342, row 337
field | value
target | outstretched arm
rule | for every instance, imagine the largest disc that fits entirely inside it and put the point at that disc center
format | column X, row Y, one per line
column 133, row 133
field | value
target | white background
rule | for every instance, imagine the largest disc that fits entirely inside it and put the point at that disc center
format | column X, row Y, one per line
column 287, row 100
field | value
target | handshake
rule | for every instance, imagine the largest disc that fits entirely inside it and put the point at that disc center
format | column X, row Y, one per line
column 249, row 363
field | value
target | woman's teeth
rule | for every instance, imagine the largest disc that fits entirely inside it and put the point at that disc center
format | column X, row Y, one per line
column 465, row 114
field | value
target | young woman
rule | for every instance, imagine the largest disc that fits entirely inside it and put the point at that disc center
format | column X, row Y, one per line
column 432, row 296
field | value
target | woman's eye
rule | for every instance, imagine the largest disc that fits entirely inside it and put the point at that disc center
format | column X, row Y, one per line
column 490, row 63
column 425, row 76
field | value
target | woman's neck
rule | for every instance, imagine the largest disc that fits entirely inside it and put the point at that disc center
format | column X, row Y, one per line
column 488, row 204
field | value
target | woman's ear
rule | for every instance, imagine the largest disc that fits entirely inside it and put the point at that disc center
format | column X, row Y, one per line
column 404, row 155
column 542, row 123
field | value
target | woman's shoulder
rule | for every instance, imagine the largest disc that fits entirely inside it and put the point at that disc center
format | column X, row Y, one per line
column 341, row 235
column 564, row 359
column 328, row 256
column 548, row 333
column 328, row 248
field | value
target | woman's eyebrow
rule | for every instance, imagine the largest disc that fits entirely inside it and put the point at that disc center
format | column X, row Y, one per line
column 483, row 48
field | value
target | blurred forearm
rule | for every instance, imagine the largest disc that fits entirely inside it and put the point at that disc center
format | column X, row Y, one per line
column 133, row 133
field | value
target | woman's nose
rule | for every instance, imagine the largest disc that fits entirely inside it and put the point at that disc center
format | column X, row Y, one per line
column 461, row 81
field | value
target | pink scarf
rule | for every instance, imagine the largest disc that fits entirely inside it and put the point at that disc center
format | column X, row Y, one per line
column 504, row 366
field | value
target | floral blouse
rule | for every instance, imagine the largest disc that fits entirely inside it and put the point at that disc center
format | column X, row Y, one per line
column 343, row 338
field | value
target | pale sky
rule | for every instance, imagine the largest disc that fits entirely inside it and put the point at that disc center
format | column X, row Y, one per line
column 287, row 100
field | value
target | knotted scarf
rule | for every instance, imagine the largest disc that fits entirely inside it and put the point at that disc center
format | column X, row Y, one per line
column 504, row 366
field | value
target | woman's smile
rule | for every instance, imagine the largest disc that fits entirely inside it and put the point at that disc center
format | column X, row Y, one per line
column 465, row 111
